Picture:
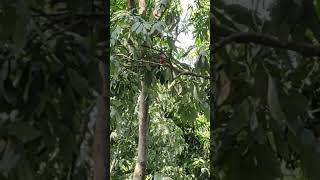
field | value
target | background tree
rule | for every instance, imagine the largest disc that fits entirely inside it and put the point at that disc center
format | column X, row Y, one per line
column 266, row 61
column 49, row 83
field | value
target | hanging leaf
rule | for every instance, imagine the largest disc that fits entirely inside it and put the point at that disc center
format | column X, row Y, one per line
column 139, row 29
column 4, row 70
column 272, row 141
column 67, row 147
column 294, row 104
column 148, row 77
column 135, row 26
column 9, row 159
column 195, row 93
column 261, row 82
column 171, row 44
column 78, row 82
column 10, row 93
column 240, row 117
column 8, row 18
column 224, row 88
column 273, row 100
column 23, row 131
column 254, row 121
column 259, row 132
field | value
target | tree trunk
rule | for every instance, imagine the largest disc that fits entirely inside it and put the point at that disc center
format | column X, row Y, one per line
column 131, row 4
column 141, row 165
column 101, row 140
column 213, row 98
column 140, row 169
column 142, row 7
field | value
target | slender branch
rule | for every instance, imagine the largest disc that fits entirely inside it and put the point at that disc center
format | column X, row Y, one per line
column 305, row 49
column 181, row 72
column 158, row 50
column 61, row 31
column 193, row 74
column 39, row 13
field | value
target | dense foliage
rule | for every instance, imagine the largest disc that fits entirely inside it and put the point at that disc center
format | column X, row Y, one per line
column 49, row 77
column 179, row 109
column 267, row 124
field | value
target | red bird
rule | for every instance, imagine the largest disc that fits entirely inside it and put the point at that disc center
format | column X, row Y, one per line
column 161, row 59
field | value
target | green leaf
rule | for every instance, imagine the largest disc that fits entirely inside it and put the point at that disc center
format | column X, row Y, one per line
column 135, row 26
column 178, row 89
column 78, row 82
column 259, row 132
column 148, row 77
column 23, row 131
column 159, row 177
column 153, row 28
column 144, row 31
column 273, row 101
column 272, row 141
column 19, row 35
column 9, row 159
column 254, row 121
column 294, row 104
column 67, row 106
column 240, row 117
column 261, row 82
column 252, row 166
column 171, row 44
column 195, row 93
column 317, row 7
column 139, row 29
column 67, row 146
column 8, row 18
column 167, row 74
column 93, row 73
column 307, row 138
column 224, row 88
column 148, row 67
column 4, row 70
column 9, row 92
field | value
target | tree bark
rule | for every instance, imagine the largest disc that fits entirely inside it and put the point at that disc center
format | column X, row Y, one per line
column 141, row 165
column 140, row 169
column 142, row 7
column 101, row 140
column 131, row 4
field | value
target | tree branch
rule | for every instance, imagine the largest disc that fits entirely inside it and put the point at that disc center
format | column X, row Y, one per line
column 39, row 13
column 181, row 72
column 305, row 49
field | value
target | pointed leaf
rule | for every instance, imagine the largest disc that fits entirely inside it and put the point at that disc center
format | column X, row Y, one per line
column 223, row 88
column 273, row 100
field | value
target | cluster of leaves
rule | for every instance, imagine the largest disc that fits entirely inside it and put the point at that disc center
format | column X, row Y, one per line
column 49, row 76
column 268, row 100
